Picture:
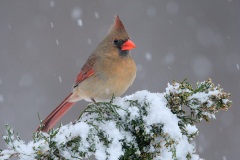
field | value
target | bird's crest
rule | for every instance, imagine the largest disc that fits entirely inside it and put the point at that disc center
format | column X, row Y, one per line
column 117, row 26
column 118, row 23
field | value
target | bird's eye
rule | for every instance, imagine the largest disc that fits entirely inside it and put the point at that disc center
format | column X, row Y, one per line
column 116, row 42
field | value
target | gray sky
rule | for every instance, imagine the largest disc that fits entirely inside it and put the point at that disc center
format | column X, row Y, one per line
column 43, row 45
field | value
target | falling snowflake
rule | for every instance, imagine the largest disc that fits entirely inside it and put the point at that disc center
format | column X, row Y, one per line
column 148, row 56
column 52, row 3
column 96, row 15
column 57, row 42
column 79, row 21
column 60, row 79
column 1, row 98
column 52, row 24
column 89, row 41
column 76, row 13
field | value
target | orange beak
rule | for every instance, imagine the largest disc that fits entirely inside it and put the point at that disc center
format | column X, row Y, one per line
column 128, row 45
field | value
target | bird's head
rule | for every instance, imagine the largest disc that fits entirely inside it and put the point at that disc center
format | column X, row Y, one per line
column 117, row 40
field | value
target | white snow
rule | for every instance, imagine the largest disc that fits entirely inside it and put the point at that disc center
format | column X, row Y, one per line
column 175, row 89
column 89, row 41
column 76, row 13
column 1, row 98
column 7, row 154
column 52, row 3
column 79, row 21
column 60, row 79
column 115, row 148
column 191, row 129
column 225, row 101
column 100, row 152
column 96, row 15
column 134, row 112
column 183, row 148
column 148, row 56
column 203, row 97
column 159, row 113
column 69, row 131
column 51, row 24
column 57, row 42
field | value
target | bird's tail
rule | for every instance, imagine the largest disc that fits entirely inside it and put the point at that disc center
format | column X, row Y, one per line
column 56, row 114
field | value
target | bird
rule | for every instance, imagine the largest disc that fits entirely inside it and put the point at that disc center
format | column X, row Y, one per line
column 109, row 70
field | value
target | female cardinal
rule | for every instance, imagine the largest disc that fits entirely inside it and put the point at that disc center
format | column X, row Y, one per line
column 109, row 70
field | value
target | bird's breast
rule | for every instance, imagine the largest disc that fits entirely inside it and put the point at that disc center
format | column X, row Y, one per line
column 118, row 75
column 111, row 77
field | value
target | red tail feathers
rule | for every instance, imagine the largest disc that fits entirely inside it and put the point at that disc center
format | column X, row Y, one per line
column 56, row 114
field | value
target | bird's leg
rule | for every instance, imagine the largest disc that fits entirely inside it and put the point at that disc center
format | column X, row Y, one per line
column 93, row 100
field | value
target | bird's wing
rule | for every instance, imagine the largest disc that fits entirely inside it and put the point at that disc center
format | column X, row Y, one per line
column 86, row 71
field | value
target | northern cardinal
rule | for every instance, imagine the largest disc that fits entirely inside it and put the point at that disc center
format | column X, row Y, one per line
column 109, row 71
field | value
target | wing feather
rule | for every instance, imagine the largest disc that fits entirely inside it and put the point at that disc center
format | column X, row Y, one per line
column 86, row 71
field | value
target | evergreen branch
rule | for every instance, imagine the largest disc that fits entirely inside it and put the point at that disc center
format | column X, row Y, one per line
column 142, row 126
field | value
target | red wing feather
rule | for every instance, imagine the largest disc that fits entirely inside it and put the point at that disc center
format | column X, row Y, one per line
column 86, row 71
column 84, row 75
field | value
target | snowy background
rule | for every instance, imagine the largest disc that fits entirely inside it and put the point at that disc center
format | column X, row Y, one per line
column 43, row 45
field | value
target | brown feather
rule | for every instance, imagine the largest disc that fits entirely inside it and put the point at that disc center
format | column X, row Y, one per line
column 86, row 70
column 117, row 30
column 118, row 23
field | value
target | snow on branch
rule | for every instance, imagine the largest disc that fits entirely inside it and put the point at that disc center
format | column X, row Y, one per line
column 140, row 126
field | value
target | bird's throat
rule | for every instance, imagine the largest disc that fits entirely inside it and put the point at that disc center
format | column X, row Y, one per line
column 124, row 53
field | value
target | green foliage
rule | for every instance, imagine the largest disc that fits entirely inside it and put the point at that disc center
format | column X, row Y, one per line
column 192, row 105
column 128, row 118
